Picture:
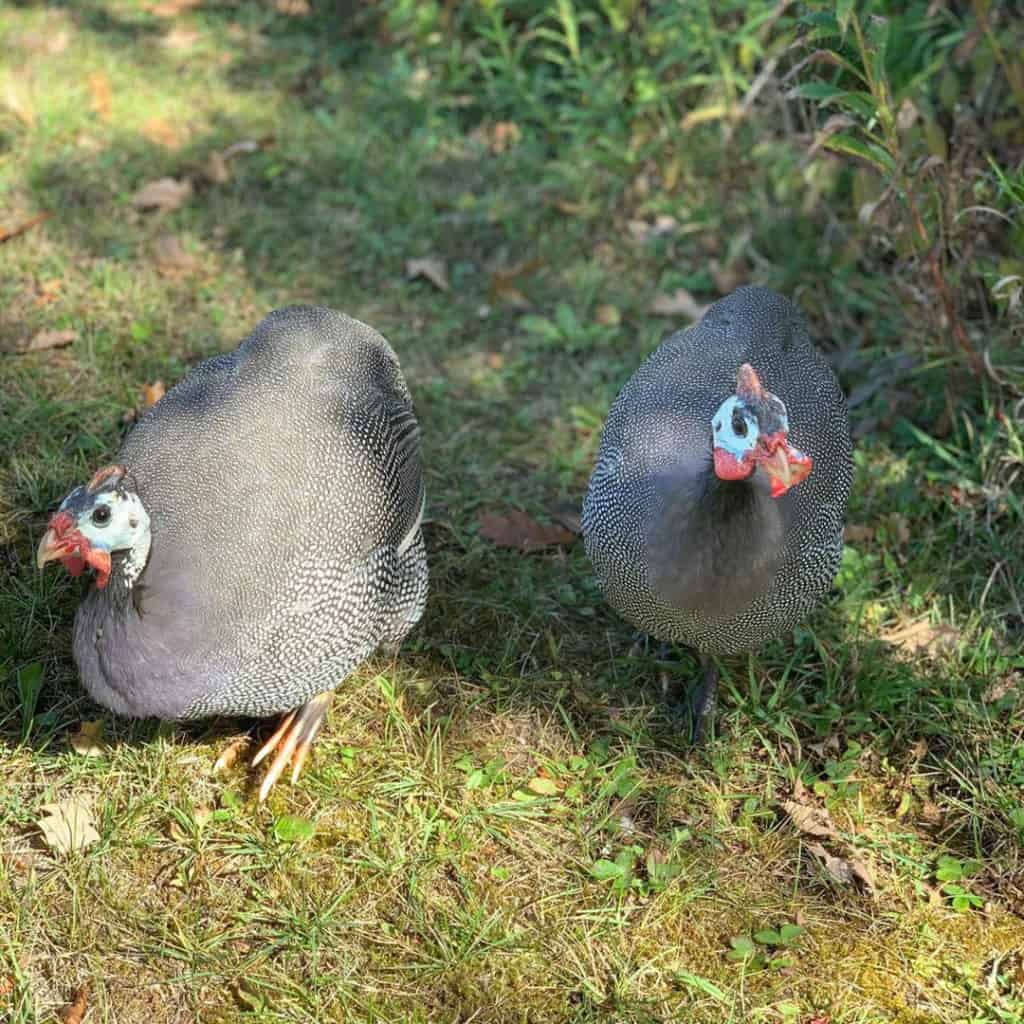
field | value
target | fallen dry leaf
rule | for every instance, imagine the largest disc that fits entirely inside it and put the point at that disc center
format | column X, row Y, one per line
column 230, row 753
column 47, row 291
column 608, row 315
column 6, row 985
column 679, row 303
column 161, row 132
column 504, row 135
column 68, row 826
column 6, row 234
column 102, row 100
column 170, row 257
column 502, row 288
column 216, row 169
column 642, row 231
column 247, row 146
column 293, row 8
column 172, row 8
column 543, row 786
column 75, row 1011
column 164, row 194
column 434, row 270
column 46, row 340
column 88, row 741
column 813, row 821
column 1002, row 687
column 922, row 638
column 180, row 39
column 518, row 530
column 20, row 106
column 45, row 42
column 854, row 533
column 845, row 871
column 152, row 393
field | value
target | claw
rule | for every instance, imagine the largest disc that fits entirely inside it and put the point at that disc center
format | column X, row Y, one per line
column 293, row 739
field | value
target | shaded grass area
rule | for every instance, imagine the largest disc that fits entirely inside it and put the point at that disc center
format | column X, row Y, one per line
column 437, row 885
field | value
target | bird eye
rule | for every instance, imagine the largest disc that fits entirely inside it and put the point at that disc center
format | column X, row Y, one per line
column 101, row 515
column 739, row 426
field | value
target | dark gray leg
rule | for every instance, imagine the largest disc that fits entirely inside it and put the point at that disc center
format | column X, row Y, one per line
column 703, row 701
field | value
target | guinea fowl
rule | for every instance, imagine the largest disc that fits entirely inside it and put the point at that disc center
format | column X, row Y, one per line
column 714, row 514
column 259, row 536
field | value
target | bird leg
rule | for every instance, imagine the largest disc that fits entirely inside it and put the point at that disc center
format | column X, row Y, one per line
column 292, row 740
column 703, row 701
column 697, row 707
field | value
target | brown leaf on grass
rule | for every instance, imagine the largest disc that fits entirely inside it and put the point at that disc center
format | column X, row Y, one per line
column 678, row 303
column 1002, row 687
column 608, row 315
column 47, row 291
column 6, row 234
column 922, row 638
column 293, row 8
column 74, row 1012
column 102, row 100
column 230, row 754
column 88, row 741
column 434, row 270
column 161, row 132
column 812, row 821
column 52, row 43
column 45, row 340
column 518, row 530
column 170, row 257
column 642, row 231
column 248, row 146
column 502, row 284
column 152, row 393
column 164, row 194
column 216, row 170
column 854, row 533
column 846, row 871
column 20, row 106
column 543, row 786
column 172, row 8
column 501, row 136
column 6, row 985
column 68, row 826
column 180, row 39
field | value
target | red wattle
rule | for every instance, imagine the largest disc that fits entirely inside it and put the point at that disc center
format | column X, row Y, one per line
column 728, row 467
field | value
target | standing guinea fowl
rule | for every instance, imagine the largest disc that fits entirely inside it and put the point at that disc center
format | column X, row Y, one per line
column 714, row 516
column 259, row 536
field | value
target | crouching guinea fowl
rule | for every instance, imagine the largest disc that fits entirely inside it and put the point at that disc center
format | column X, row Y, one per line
column 258, row 537
column 714, row 514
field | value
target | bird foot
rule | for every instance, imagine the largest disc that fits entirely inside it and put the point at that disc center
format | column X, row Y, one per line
column 693, row 711
column 292, row 740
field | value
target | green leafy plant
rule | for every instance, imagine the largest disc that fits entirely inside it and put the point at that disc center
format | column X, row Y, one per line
column 764, row 950
column 952, row 873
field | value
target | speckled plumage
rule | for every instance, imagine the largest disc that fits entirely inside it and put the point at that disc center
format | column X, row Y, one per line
column 283, row 482
column 719, row 565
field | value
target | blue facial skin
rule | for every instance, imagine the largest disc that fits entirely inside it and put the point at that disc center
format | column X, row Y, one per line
column 735, row 428
column 111, row 520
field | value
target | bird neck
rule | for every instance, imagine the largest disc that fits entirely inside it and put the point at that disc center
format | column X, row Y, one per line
column 714, row 545
column 126, row 567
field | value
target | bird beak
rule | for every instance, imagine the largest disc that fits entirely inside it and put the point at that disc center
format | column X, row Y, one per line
column 50, row 549
column 61, row 541
column 58, row 541
column 784, row 464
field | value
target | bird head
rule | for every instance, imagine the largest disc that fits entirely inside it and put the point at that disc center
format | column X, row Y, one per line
column 751, row 429
column 93, row 521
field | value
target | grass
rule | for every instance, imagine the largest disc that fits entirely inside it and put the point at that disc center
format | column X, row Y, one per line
column 502, row 823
